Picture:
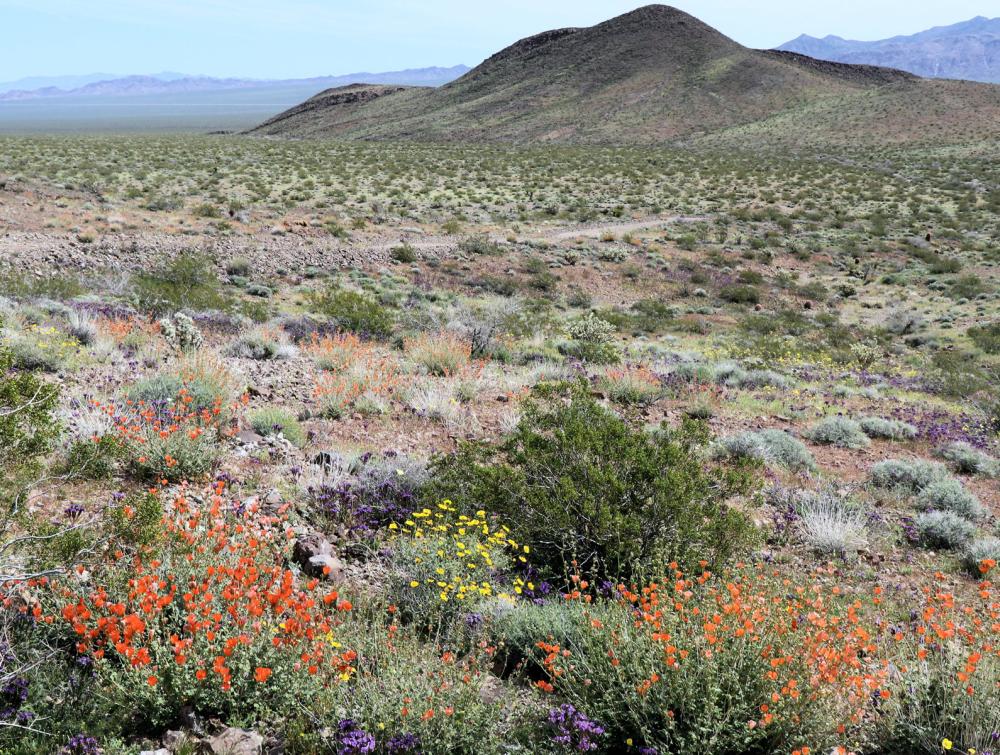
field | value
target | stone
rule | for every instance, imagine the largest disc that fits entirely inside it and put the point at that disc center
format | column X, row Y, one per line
column 233, row 741
column 249, row 437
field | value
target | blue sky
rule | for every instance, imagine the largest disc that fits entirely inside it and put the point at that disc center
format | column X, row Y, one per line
column 289, row 38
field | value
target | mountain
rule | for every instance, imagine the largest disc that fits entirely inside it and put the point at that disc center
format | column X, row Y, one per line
column 67, row 83
column 653, row 75
column 167, row 83
column 968, row 50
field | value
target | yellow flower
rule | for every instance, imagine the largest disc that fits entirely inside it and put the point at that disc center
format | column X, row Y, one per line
column 414, row 583
column 946, row 744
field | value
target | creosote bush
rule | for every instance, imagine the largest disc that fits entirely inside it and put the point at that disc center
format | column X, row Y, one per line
column 352, row 311
column 583, row 487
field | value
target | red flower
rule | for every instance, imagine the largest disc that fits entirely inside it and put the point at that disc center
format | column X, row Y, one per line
column 262, row 674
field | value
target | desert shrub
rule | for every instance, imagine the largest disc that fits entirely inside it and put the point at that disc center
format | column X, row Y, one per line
column 153, row 656
column 370, row 491
column 910, row 476
column 238, row 266
column 831, row 523
column 631, row 385
column 256, row 346
column 591, row 340
column 438, row 353
column 739, row 294
column 437, row 402
column 932, row 707
column 944, row 529
column 174, row 458
column 967, row 459
column 986, row 549
column 28, row 425
column 137, row 519
column 950, row 495
column 890, row 429
column 352, row 311
column 582, row 486
column 768, row 447
column 838, row 431
column 404, row 253
column 443, row 563
column 260, row 291
column 41, row 348
column 653, row 677
column 737, row 377
column 273, row 420
column 481, row 244
column 206, row 383
column 188, row 282
column 645, row 316
column 82, row 326
column 94, row 458
column 986, row 337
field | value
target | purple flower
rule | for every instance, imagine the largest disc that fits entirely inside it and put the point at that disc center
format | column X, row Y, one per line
column 404, row 742
column 81, row 744
column 352, row 739
column 572, row 730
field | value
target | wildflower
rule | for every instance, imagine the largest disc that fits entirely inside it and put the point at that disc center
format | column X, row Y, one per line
column 947, row 744
column 262, row 674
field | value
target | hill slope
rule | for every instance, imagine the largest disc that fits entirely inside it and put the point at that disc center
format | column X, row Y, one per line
column 653, row 75
column 969, row 50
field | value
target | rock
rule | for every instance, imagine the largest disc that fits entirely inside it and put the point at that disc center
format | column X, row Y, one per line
column 316, row 555
column 325, row 565
column 174, row 739
column 160, row 751
column 233, row 741
column 273, row 497
column 249, row 437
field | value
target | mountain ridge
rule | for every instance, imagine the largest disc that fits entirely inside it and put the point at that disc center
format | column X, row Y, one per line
column 156, row 84
column 967, row 50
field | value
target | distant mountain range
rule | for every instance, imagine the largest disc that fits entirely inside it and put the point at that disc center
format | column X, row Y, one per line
column 968, row 50
column 654, row 75
column 101, row 85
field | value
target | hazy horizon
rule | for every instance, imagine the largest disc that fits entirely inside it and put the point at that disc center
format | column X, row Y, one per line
column 310, row 38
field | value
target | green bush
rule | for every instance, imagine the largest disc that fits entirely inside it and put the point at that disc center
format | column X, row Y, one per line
column 405, row 254
column 352, row 311
column 28, row 426
column 137, row 519
column 583, row 487
column 737, row 294
column 986, row 337
column 186, row 282
column 273, row 420
column 94, row 460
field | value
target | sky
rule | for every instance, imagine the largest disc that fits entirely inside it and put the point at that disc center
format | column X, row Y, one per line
column 299, row 38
